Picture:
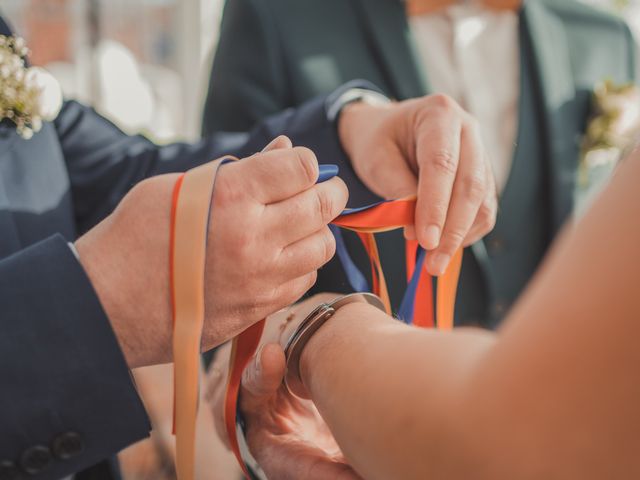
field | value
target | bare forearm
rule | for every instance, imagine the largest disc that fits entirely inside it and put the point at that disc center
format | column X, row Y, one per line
column 388, row 391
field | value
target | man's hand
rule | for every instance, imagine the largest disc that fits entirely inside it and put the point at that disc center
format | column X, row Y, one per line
column 268, row 235
column 428, row 146
column 286, row 435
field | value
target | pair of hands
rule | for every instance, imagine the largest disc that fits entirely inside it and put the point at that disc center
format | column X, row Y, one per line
column 268, row 230
column 286, row 435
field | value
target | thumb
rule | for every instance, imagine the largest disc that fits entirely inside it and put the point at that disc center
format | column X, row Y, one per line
column 278, row 143
column 263, row 376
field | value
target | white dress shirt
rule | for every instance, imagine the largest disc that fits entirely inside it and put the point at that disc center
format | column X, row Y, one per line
column 472, row 54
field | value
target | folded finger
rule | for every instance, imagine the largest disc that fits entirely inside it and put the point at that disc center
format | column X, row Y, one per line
column 486, row 218
column 306, row 255
column 438, row 151
column 262, row 378
column 300, row 216
column 469, row 192
column 277, row 174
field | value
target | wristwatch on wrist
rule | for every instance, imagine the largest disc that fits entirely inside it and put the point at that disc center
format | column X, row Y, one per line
column 298, row 340
column 309, row 326
column 352, row 95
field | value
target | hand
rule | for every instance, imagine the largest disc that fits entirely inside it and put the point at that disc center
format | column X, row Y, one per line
column 286, row 435
column 432, row 147
column 267, row 236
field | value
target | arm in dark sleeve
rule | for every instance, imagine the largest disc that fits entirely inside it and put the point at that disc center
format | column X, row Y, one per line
column 248, row 78
column 103, row 163
column 67, row 399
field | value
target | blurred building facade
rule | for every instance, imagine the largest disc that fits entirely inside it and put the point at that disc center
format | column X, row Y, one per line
column 142, row 63
column 139, row 62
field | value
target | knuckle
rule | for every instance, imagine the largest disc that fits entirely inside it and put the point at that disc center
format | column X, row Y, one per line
column 443, row 102
column 436, row 213
column 329, row 245
column 473, row 187
column 307, row 164
column 488, row 216
column 445, row 162
column 324, row 205
column 452, row 240
column 309, row 282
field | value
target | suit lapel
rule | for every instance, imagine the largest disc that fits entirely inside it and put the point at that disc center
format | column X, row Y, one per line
column 387, row 30
column 561, row 117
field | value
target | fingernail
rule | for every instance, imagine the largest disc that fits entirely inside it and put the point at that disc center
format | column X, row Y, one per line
column 327, row 172
column 431, row 237
column 438, row 263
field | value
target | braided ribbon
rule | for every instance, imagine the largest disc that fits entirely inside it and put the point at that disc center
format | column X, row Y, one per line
column 190, row 215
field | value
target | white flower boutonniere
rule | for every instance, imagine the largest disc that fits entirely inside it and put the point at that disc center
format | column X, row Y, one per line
column 613, row 127
column 28, row 95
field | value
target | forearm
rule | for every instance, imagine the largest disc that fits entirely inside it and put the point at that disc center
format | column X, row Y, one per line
column 391, row 394
column 61, row 369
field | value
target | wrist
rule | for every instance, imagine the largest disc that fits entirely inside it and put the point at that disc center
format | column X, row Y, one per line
column 326, row 344
column 355, row 113
column 108, row 278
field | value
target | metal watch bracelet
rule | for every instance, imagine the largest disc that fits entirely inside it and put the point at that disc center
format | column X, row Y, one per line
column 309, row 326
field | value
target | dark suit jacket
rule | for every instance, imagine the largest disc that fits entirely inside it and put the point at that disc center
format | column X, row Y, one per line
column 67, row 399
column 274, row 54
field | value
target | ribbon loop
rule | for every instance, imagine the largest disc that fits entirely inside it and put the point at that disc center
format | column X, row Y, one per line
column 189, row 226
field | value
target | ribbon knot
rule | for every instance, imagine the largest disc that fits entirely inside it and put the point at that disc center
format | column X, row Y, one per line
column 189, row 224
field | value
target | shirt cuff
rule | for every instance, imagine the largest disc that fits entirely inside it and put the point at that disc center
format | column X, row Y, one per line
column 355, row 91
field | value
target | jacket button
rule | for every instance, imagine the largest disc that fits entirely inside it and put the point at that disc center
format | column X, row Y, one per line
column 67, row 445
column 9, row 471
column 35, row 460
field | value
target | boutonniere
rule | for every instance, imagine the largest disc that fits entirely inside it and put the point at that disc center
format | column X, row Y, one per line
column 28, row 95
column 613, row 127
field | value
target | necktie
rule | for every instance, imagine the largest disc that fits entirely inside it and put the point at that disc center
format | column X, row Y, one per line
column 190, row 214
column 425, row 7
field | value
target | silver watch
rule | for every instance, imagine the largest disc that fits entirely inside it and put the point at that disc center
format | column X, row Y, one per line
column 309, row 327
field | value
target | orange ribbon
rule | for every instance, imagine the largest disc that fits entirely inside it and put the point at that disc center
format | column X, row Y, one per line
column 425, row 7
column 189, row 225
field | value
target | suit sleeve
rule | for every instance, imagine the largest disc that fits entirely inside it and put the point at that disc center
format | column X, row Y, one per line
column 103, row 163
column 67, row 399
column 248, row 78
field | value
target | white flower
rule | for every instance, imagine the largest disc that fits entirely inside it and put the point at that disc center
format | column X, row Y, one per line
column 50, row 100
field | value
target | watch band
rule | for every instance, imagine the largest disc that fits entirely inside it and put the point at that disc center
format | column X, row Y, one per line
column 356, row 94
column 309, row 326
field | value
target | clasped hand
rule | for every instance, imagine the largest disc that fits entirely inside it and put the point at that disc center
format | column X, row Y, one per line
column 286, row 434
column 267, row 237
column 268, row 229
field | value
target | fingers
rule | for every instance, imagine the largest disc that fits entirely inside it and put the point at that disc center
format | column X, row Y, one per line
column 438, row 153
column 263, row 376
column 486, row 217
column 469, row 192
column 308, row 254
column 388, row 175
column 275, row 175
column 278, row 143
column 289, row 292
column 300, row 216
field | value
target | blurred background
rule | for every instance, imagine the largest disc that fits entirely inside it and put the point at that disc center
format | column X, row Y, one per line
column 144, row 63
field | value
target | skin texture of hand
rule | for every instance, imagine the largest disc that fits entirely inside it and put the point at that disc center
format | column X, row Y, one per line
column 268, row 235
column 287, row 436
column 430, row 147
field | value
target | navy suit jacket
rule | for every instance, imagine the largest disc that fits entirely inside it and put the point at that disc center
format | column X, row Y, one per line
column 67, row 399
